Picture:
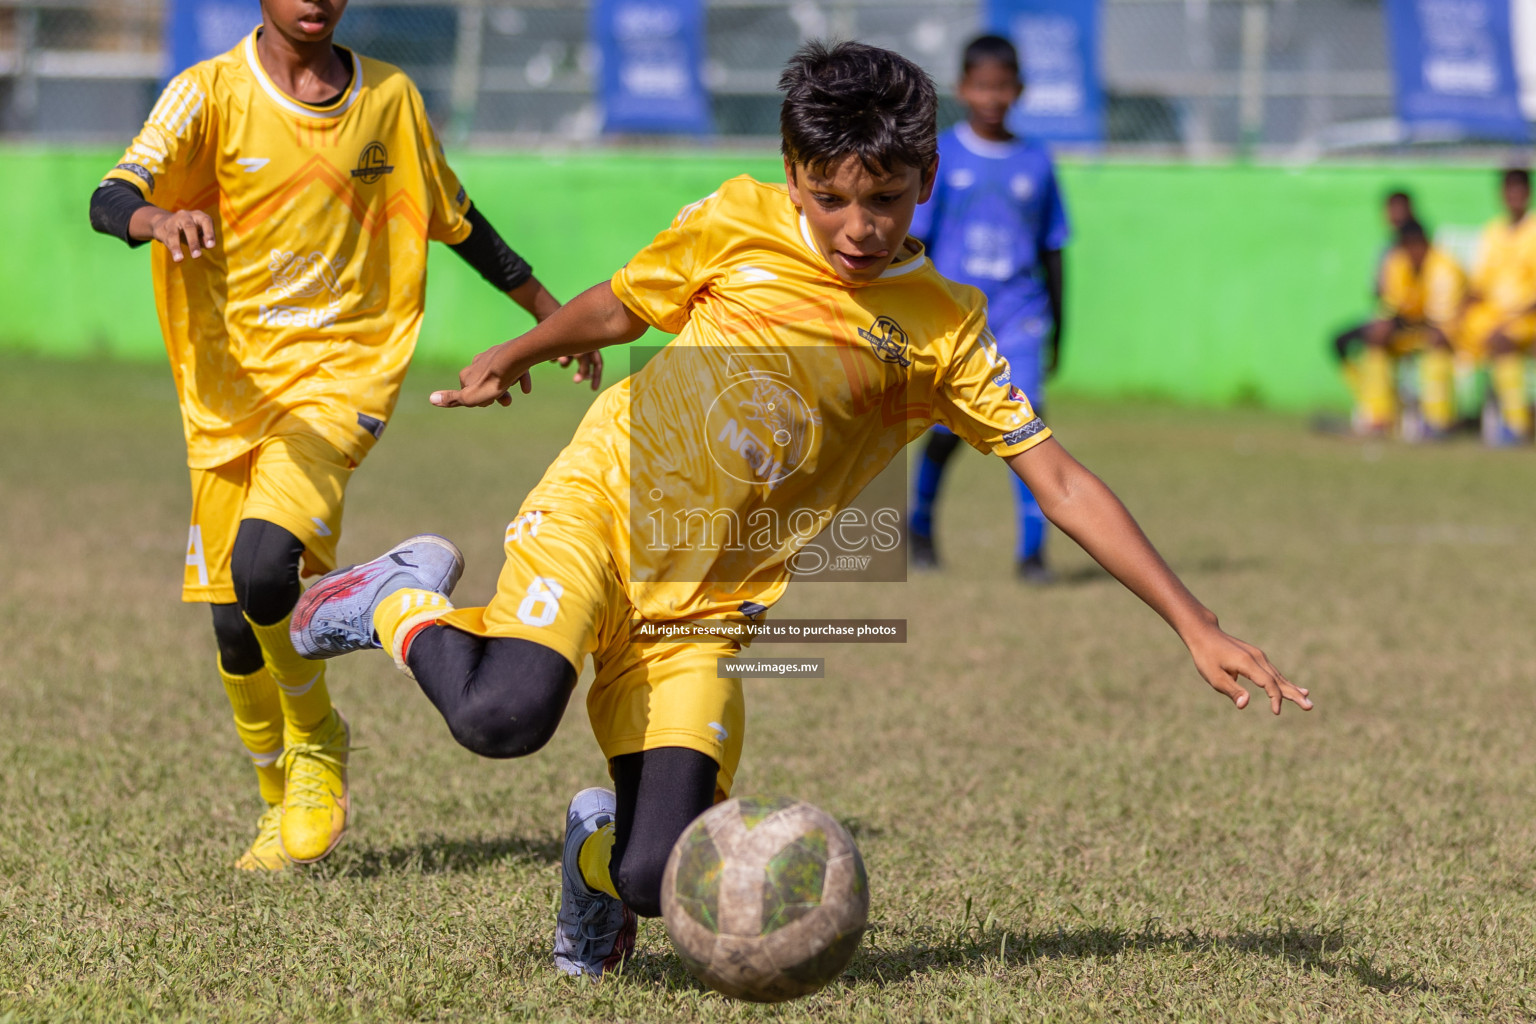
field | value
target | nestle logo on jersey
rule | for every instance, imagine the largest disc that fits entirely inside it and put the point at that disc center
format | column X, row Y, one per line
column 298, row 316
column 373, row 164
column 888, row 340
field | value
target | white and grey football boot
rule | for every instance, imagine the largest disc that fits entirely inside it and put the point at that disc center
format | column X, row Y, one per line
column 335, row 616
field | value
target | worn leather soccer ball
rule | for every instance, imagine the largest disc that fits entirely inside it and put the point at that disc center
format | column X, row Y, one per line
column 765, row 900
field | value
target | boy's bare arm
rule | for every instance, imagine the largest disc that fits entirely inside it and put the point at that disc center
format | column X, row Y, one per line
column 540, row 304
column 592, row 320
column 1087, row 511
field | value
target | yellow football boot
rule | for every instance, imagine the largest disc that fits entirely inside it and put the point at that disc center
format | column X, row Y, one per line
column 315, row 791
column 266, row 853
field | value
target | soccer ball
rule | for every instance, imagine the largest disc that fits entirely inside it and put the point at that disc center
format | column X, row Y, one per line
column 765, row 899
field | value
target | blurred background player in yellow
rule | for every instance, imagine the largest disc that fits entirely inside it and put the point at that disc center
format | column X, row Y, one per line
column 1499, row 324
column 292, row 186
column 1397, row 210
column 1422, row 294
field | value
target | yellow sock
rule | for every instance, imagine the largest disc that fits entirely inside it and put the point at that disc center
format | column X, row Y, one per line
column 1509, row 386
column 1437, row 385
column 401, row 613
column 259, row 721
column 1351, row 371
column 596, row 851
column 1378, row 394
column 300, row 682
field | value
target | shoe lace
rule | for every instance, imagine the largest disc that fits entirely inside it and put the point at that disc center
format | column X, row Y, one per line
column 270, row 824
column 304, row 764
column 596, row 932
column 341, row 633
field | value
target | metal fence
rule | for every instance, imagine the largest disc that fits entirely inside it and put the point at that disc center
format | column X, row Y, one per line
column 1193, row 77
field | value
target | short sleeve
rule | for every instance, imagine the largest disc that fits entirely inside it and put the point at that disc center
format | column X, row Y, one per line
column 1054, row 230
column 158, row 160
column 449, row 202
column 977, row 399
column 659, row 283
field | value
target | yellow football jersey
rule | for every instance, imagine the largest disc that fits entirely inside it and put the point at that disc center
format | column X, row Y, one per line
column 1432, row 294
column 715, row 467
column 1506, row 265
column 304, row 315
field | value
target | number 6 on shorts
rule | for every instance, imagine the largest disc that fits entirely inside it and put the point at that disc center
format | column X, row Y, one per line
column 542, row 604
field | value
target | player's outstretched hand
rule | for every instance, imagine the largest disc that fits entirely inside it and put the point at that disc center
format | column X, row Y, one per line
column 190, row 228
column 480, row 385
column 589, row 367
column 1222, row 658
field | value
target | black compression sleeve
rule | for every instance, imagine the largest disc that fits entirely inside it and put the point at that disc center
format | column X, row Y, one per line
column 112, row 207
column 485, row 250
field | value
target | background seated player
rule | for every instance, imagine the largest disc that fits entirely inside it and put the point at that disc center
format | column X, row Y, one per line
column 1397, row 209
column 1422, row 294
column 1499, row 324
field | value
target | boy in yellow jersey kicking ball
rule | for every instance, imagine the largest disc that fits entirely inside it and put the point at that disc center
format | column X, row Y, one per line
column 815, row 340
column 1422, row 294
column 293, row 186
column 1500, row 324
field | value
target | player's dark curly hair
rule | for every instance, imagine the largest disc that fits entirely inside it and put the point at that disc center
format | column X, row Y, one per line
column 856, row 99
column 990, row 49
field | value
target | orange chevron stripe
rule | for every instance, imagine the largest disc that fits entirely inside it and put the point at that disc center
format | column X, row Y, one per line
column 403, row 204
column 315, row 170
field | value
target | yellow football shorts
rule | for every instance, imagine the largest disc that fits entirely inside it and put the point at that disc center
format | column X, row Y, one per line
column 561, row 588
column 1482, row 319
column 296, row 481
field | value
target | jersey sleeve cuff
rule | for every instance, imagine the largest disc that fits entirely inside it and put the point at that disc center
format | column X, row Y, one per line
column 1023, row 439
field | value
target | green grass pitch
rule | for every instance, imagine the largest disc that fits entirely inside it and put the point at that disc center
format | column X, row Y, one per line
column 1060, row 820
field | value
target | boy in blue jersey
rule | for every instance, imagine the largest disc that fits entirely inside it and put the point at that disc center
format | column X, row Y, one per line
column 995, row 221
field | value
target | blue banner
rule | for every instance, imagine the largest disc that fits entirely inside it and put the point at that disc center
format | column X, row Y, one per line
column 1454, row 69
column 1058, row 43
column 652, row 54
column 196, row 30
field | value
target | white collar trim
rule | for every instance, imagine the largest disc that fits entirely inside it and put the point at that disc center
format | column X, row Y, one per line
column 967, row 137
column 893, row 270
column 292, row 105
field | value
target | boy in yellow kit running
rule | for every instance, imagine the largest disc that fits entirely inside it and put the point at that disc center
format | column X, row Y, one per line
column 815, row 340
column 303, row 181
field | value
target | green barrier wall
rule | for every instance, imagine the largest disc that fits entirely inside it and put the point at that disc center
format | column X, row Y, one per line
column 1201, row 284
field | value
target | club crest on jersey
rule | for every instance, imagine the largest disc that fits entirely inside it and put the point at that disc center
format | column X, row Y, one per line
column 888, row 340
column 373, row 164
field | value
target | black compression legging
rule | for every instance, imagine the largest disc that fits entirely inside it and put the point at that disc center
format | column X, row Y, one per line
column 504, row 697
column 265, row 567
